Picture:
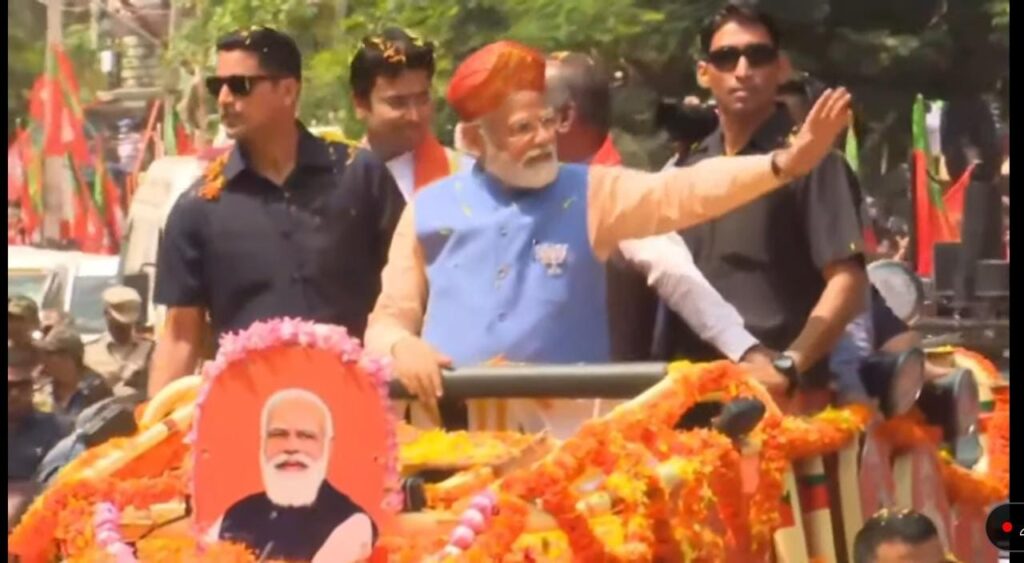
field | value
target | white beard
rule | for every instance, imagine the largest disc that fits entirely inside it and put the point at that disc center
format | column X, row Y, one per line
column 516, row 174
column 293, row 488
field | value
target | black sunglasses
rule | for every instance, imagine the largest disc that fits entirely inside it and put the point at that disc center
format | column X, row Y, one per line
column 237, row 85
column 725, row 59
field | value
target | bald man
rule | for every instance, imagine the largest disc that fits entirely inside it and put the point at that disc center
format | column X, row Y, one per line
column 299, row 516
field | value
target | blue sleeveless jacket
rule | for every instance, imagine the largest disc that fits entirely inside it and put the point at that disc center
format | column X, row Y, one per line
column 511, row 272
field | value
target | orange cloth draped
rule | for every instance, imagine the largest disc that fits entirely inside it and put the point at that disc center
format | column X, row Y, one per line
column 430, row 162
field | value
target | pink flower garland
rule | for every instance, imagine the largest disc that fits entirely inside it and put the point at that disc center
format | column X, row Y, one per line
column 473, row 522
column 107, row 521
column 264, row 335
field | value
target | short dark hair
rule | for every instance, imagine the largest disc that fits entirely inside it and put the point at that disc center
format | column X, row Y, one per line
column 584, row 81
column 277, row 52
column 742, row 14
column 908, row 526
column 388, row 54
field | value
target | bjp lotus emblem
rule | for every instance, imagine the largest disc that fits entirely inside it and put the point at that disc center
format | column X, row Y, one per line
column 551, row 256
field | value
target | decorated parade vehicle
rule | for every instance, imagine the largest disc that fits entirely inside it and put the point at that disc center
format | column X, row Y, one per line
column 287, row 449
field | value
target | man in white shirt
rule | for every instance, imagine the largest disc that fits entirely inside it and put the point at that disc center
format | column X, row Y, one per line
column 390, row 76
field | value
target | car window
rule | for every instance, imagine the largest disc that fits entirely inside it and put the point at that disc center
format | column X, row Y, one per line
column 30, row 284
column 87, row 302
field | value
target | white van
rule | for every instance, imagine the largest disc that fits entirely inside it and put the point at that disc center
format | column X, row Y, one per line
column 31, row 270
column 64, row 280
column 159, row 188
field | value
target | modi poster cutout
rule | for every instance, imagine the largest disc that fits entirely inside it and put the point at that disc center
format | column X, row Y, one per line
column 294, row 445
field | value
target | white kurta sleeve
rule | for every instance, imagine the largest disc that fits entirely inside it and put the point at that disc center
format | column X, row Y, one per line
column 670, row 270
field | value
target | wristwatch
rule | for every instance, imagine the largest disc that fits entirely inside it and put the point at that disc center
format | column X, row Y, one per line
column 786, row 365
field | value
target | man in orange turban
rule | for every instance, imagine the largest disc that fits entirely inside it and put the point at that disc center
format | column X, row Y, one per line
column 505, row 259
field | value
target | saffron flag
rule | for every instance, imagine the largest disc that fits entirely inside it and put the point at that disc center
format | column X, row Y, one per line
column 954, row 201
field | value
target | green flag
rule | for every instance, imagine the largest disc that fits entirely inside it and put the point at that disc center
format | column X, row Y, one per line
column 919, row 130
column 852, row 153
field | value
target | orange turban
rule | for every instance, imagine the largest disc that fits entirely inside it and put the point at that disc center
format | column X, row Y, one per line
column 483, row 81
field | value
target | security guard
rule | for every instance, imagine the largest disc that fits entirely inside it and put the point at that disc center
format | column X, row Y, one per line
column 121, row 351
column 284, row 225
column 65, row 386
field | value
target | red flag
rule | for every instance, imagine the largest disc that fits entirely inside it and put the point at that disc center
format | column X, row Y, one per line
column 20, row 161
column 72, row 119
column 88, row 229
column 16, row 186
column 45, row 101
column 185, row 146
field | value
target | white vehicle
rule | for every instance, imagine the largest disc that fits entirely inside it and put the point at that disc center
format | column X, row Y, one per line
column 164, row 181
column 82, row 298
column 30, row 270
column 61, row 280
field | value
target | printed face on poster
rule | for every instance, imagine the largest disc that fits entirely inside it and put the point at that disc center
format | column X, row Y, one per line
column 294, row 446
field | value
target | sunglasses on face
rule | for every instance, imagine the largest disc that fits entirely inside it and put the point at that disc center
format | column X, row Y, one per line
column 240, row 86
column 725, row 59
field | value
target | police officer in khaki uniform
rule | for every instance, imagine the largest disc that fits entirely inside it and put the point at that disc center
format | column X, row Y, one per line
column 121, row 356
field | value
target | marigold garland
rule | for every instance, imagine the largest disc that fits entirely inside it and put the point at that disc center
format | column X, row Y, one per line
column 622, row 446
column 213, row 178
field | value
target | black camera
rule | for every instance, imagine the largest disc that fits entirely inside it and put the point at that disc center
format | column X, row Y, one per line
column 685, row 122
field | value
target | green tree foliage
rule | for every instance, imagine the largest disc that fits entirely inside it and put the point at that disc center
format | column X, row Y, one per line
column 26, row 23
column 886, row 50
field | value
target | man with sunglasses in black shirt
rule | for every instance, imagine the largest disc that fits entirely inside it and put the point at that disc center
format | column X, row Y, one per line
column 284, row 225
column 791, row 263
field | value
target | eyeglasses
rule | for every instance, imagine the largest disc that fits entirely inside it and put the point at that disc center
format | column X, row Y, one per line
column 725, row 59
column 238, row 85
column 524, row 127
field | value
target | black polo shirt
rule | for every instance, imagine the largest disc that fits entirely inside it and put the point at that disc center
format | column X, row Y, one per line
column 312, row 249
column 768, row 257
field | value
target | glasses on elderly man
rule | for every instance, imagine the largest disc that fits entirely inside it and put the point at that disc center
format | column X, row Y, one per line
column 527, row 127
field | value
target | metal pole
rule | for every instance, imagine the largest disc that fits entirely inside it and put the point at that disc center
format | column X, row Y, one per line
column 599, row 381
column 55, row 188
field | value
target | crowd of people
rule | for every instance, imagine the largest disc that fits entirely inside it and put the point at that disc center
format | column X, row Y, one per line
column 57, row 384
column 532, row 243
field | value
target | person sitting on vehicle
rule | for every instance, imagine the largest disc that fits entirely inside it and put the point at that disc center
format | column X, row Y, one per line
column 30, row 434
column 897, row 537
column 65, row 386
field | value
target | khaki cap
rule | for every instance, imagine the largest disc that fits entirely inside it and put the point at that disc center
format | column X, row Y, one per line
column 123, row 303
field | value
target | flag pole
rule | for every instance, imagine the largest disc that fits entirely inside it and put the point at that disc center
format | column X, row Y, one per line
column 55, row 188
